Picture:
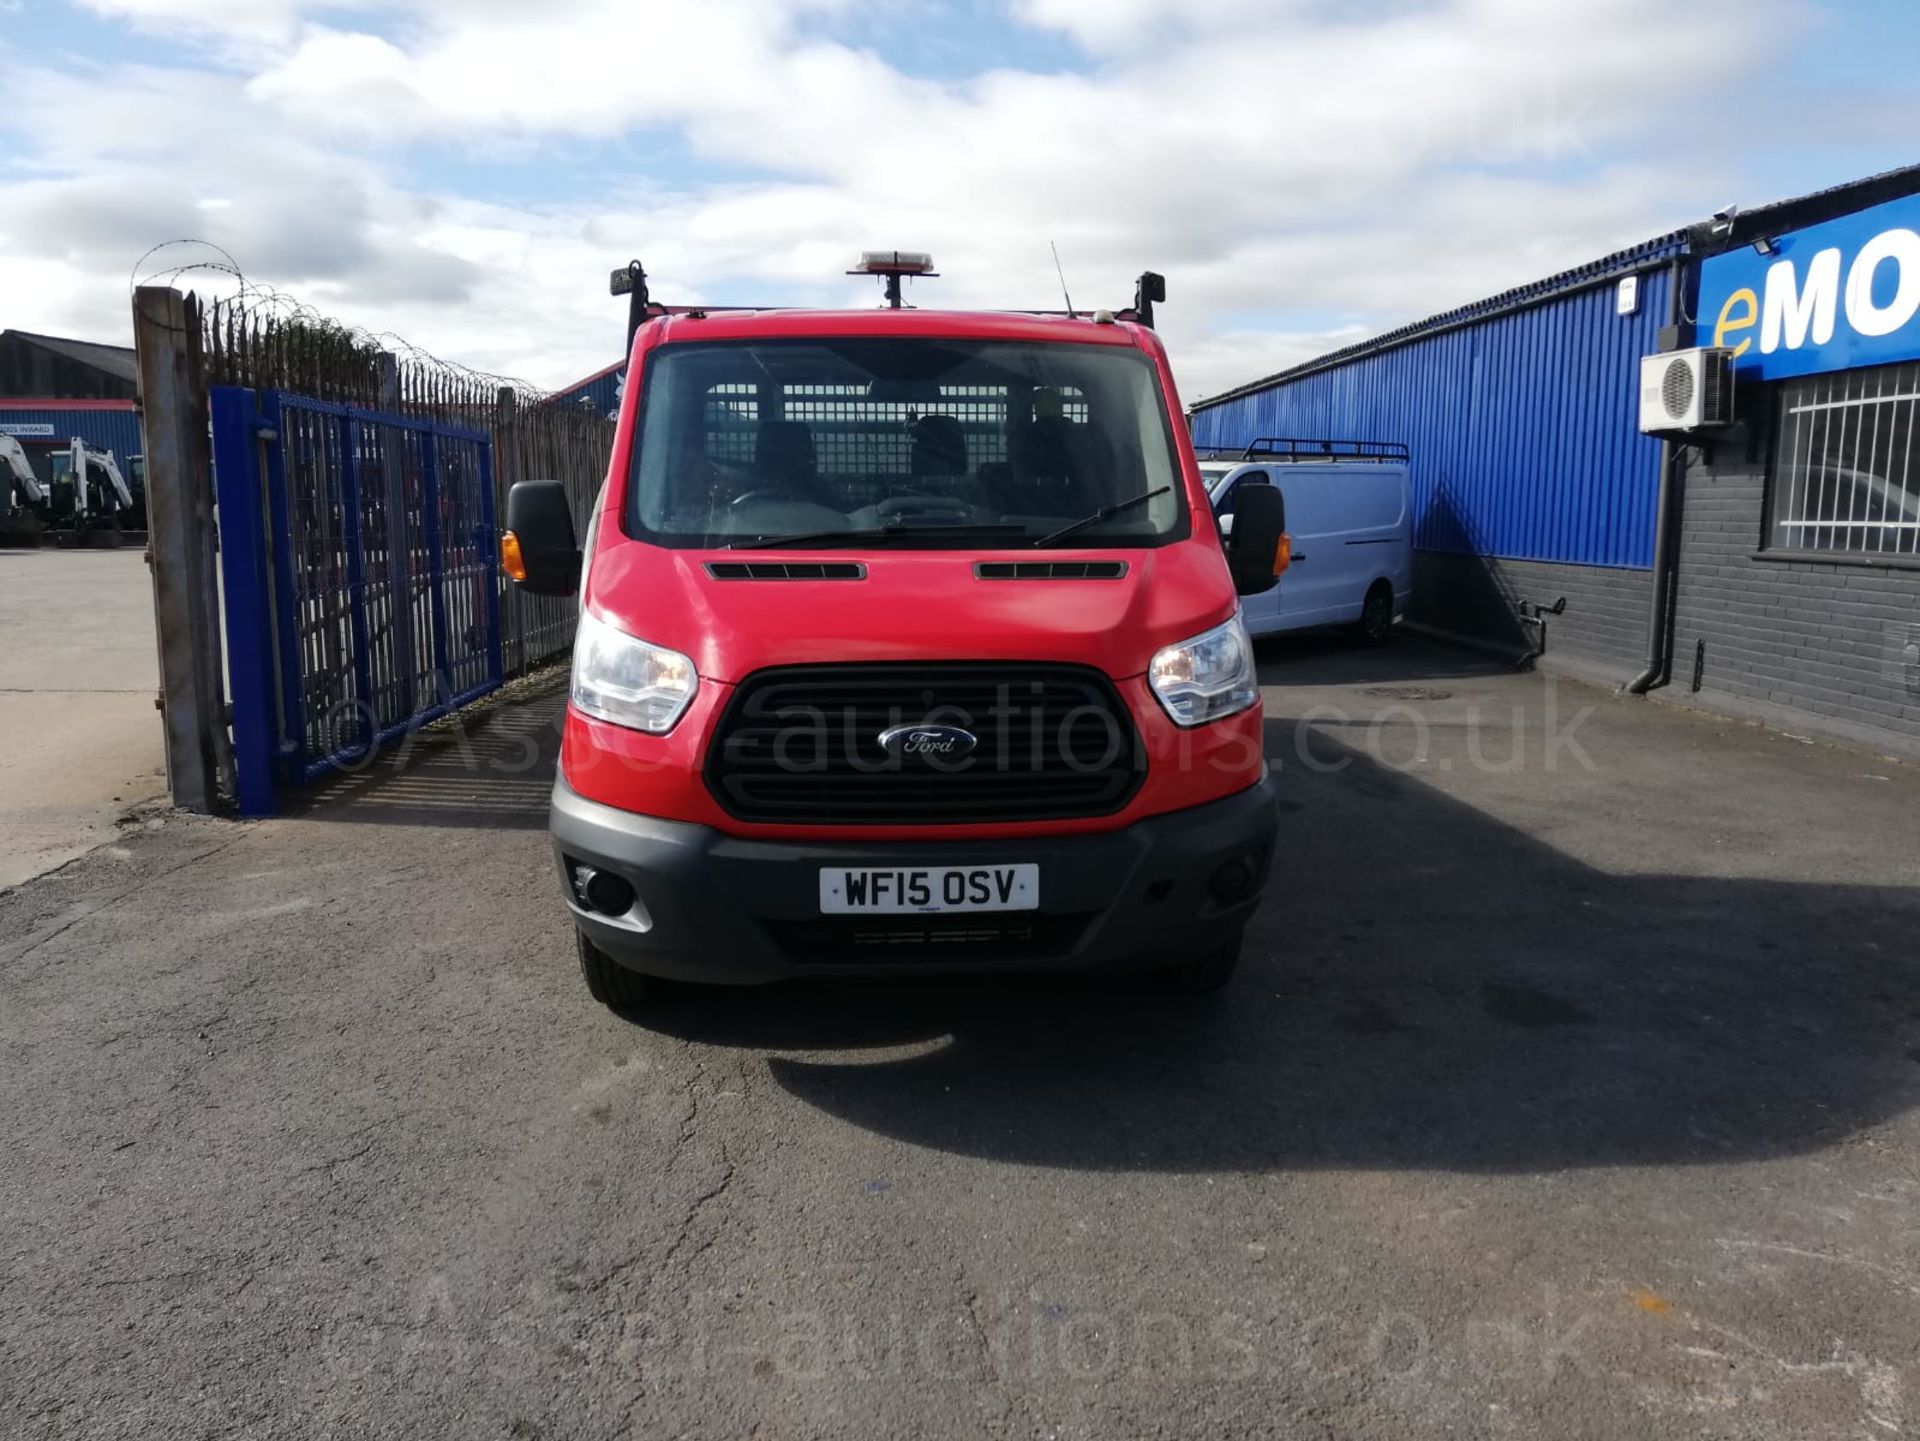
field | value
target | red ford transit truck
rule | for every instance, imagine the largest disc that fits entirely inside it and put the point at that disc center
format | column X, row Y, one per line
column 907, row 644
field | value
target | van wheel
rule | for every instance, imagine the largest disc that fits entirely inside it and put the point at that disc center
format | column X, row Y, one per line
column 1376, row 615
column 609, row 982
column 1204, row 974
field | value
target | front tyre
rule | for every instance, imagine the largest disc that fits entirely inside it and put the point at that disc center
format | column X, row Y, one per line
column 609, row 982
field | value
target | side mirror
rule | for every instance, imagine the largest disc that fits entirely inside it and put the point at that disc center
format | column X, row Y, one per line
column 1259, row 530
column 538, row 550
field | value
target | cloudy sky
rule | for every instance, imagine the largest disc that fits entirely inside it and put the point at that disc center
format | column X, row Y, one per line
column 1305, row 172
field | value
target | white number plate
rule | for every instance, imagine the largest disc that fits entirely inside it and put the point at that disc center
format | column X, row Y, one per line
column 895, row 891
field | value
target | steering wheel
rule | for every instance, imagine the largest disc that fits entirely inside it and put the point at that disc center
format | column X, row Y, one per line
column 922, row 503
column 762, row 494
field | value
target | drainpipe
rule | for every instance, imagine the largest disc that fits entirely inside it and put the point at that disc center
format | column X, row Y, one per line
column 1666, row 530
column 1664, row 540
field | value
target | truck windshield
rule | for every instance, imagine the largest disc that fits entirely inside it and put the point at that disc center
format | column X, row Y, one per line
column 831, row 440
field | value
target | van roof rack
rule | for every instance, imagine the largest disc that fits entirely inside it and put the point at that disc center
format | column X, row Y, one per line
column 630, row 280
column 1293, row 447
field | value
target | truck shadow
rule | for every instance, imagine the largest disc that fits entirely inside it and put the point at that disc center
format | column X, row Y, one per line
column 1331, row 656
column 1455, row 588
column 1436, row 990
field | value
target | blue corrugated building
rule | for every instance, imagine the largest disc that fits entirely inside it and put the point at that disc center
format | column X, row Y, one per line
column 103, row 424
column 1516, row 451
column 1531, row 478
column 53, row 389
column 599, row 392
column 1710, row 558
column 46, row 430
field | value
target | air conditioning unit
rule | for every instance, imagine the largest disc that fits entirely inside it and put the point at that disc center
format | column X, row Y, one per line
column 1686, row 390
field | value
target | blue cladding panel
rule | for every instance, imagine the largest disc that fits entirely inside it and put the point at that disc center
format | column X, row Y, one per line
column 1522, row 426
column 115, row 430
column 601, row 394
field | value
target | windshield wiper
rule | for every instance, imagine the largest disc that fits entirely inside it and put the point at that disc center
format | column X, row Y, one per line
column 873, row 533
column 1106, row 512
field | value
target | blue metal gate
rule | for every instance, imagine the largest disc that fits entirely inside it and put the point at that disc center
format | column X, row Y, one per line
column 358, row 555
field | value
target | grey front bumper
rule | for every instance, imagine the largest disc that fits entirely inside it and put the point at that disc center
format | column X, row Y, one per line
column 713, row 907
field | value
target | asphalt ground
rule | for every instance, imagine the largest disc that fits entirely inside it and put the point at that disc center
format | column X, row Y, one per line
column 1566, row 1091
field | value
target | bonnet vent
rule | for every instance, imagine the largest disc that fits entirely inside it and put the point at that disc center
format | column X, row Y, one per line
column 1050, row 569
column 786, row 570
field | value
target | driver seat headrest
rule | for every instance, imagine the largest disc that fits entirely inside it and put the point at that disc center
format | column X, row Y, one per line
column 939, row 446
column 783, row 452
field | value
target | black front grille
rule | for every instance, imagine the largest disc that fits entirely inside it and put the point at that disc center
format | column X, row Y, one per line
column 801, row 744
column 886, row 940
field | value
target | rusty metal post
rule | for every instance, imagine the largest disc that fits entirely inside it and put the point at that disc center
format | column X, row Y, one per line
column 387, row 373
column 514, row 607
column 180, row 547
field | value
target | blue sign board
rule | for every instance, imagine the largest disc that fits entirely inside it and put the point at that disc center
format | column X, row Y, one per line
column 1835, row 296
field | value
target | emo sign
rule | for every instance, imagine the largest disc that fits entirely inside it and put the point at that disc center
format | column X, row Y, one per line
column 1835, row 296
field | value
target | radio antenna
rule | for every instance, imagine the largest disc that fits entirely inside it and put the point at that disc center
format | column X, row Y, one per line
column 1061, row 272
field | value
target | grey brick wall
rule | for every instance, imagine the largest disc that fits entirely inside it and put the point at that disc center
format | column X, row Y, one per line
column 1829, row 641
column 1605, row 623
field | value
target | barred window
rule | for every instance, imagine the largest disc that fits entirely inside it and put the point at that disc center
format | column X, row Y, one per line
column 1846, row 474
column 780, row 438
column 733, row 414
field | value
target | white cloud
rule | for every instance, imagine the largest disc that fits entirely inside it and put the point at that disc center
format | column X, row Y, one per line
column 212, row 15
column 1122, row 25
column 1298, row 170
column 240, row 26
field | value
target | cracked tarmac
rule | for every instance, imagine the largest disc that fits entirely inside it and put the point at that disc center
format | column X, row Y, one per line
column 1566, row 1090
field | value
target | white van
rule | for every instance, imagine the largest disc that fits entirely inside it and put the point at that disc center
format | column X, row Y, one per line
column 1350, row 513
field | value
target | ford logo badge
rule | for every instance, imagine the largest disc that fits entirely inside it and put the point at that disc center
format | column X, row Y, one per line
column 928, row 742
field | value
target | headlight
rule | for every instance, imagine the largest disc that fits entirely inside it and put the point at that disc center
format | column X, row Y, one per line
column 628, row 682
column 1208, row 677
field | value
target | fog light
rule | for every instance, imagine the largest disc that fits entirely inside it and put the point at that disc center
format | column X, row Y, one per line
column 1232, row 881
column 602, row 891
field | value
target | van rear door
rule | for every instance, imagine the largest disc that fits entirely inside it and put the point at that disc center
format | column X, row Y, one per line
column 1349, row 526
